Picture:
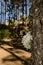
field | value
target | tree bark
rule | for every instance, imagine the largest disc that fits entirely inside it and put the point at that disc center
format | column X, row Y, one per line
column 37, row 46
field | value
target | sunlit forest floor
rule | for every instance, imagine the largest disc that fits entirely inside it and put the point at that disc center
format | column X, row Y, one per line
column 12, row 52
column 10, row 55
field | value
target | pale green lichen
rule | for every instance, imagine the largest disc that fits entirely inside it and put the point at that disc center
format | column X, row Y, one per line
column 26, row 40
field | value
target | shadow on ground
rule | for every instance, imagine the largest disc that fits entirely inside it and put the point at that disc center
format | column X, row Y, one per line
column 17, row 54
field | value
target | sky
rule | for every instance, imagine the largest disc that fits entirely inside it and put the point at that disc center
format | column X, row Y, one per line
column 2, row 9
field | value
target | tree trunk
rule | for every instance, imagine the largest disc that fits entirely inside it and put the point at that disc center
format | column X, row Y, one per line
column 37, row 46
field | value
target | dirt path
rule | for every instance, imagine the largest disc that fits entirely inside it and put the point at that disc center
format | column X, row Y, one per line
column 7, row 59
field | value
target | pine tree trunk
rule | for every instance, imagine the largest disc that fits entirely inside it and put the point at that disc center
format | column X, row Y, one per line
column 37, row 46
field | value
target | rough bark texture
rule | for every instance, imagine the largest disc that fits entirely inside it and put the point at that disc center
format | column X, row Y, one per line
column 37, row 46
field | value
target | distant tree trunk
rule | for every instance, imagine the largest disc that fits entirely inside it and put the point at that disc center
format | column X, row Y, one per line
column 5, row 8
column 37, row 46
column 18, row 12
column 23, row 8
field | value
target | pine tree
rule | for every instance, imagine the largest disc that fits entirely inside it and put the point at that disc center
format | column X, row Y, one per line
column 37, row 46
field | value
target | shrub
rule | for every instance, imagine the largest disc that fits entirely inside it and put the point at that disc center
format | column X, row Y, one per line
column 4, row 34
